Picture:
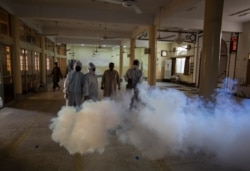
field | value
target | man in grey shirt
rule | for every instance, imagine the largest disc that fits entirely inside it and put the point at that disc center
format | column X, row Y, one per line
column 133, row 77
column 73, row 86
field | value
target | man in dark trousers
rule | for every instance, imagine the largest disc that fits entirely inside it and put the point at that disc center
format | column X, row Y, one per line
column 57, row 74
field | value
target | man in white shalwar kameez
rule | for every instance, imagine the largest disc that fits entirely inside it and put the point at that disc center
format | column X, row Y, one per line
column 91, row 84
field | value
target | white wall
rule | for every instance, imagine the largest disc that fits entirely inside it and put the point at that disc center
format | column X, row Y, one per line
column 105, row 55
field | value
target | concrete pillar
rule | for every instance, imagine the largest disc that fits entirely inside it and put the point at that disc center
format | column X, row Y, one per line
column 55, row 57
column 121, row 62
column 43, row 60
column 211, row 47
column 16, row 56
column 132, row 52
column 152, row 56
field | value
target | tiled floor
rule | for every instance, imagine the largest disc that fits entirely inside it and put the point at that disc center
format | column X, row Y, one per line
column 26, row 144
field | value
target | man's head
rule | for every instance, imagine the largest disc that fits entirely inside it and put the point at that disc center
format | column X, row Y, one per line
column 78, row 66
column 136, row 62
column 91, row 66
column 111, row 66
column 55, row 63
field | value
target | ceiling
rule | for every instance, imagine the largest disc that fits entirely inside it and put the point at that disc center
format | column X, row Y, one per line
column 100, row 22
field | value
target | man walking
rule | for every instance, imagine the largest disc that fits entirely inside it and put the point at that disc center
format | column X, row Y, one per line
column 57, row 74
column 133, row 77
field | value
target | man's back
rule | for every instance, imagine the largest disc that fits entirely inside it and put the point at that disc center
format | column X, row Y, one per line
column 91, row 85
column 133, row 76
column 56, row 73
column 76, row 81
column 110, row 82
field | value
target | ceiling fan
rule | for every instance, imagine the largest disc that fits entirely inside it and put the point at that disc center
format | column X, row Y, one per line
column 96, row 52
column 97, row 49
column 72, row 54
column 125, row 3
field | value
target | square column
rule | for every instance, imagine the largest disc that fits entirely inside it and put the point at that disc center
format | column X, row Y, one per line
column 211, row 47
column 152, row 56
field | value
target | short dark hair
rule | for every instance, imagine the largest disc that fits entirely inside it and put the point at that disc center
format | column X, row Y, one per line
column 78, row 68
column 136, row 62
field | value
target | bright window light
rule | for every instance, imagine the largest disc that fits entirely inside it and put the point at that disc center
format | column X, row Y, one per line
column 180, row 63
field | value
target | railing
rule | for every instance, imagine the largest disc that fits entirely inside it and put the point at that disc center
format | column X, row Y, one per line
column 222, row 75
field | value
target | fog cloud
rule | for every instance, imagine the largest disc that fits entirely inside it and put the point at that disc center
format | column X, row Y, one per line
column 166, row 122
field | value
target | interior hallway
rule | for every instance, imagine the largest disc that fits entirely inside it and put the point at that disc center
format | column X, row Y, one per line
column 26, row 144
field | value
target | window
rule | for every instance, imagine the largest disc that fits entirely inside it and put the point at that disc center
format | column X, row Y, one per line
column 180, row 65
column 47, row 63
column 37, row 64
column 23, row 60
column 8, row 60
column 26, row 61
column 21, row 63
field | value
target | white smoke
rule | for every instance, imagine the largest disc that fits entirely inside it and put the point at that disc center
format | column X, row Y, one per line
column 85, row 131
column 167, row 122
